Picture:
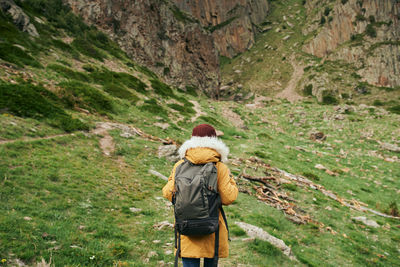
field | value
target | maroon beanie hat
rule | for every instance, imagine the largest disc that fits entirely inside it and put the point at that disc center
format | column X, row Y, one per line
column 203, row 130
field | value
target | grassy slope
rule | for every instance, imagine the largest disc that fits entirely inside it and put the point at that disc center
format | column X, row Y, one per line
column 79, row 200
column 267, row 67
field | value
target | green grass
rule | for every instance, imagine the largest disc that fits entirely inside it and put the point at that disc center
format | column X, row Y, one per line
column 79, row 200
column 17, row 56
column 36, row 102
column 68, row 72
column 87, row 97
column 120, row 92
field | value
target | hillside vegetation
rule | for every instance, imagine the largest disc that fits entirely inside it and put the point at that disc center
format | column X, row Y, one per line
column 81, row 125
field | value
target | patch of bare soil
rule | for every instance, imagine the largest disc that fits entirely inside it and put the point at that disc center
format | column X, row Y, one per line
column 289, row 92
column 259, row 101
column 233, row 117
column 198, row 110
column 106, row 142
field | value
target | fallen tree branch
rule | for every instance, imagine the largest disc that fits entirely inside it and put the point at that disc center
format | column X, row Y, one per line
column 262, row 180
column 156, row 173
column 256, row 232
column 354, row 204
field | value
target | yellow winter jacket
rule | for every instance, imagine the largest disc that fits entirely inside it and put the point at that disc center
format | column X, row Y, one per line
column 203, row 246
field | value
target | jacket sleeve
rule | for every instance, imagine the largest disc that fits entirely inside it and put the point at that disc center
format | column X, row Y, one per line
column 168, row 189
column 226, row 184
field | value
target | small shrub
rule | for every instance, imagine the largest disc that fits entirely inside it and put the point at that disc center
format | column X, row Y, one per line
column 16, row 55
column 329, row 100
column 180, row 16
column 222, row 24
column 191, row 90
column 260, row 154
column 88, row 97
column 161, row 88
column 236, row 231
column 370, row 31
column 65, row 47
column 327, row 11
column 26, row 100
column 69, row 73
column 105, row 76
column 311, row 176
column 356, row 37
column 183, row 109
column 120, row 92
column 344, row 2
column 154, row 107
column 322, row 21
column 224, row 60
column 85, row 47
column 345, row 95
column 308, row 89
column 360, row 17
column 88, row 68
column 393, row 209
column 362, row 88
column 355, row 75
column 265, row 248
column 371, row 19
column 395, row 109
column 146, row 71
column 166, row 71
column 378, row 102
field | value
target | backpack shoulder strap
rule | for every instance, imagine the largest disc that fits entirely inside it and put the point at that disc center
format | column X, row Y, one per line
column 226, row 222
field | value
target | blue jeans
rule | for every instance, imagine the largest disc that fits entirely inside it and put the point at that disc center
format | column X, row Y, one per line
column 195, row 262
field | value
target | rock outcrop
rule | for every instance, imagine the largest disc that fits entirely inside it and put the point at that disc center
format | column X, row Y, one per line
column 232, row 22
column 158, row 35
column 366, row 33
column 20, row 19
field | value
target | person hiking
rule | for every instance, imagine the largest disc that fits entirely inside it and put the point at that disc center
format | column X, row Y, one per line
column 204, row 147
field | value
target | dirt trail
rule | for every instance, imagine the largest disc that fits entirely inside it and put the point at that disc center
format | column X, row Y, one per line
column 233, row 117
column 198, row 110
column 29, row 139
column 106, row 142
column 289, row 92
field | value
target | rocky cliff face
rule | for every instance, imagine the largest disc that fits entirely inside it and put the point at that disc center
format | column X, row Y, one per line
column 232, row 22
column 160, row 36
column 363, row 32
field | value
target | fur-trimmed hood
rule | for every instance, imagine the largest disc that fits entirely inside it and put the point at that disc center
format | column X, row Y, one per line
column 209, row 142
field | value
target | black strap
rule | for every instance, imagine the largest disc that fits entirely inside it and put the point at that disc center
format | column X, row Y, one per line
column 226, row 222
column 178, row 250
column 216, row 248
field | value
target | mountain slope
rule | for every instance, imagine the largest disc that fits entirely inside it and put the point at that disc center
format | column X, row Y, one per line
column 341, row 62
column 82, row 125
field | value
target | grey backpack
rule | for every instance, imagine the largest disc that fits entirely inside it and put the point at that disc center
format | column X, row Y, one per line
column 197, row 203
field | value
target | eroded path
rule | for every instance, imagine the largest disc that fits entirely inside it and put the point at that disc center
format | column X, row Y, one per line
column 198, row 110
column 289, row 92
column 29, row 139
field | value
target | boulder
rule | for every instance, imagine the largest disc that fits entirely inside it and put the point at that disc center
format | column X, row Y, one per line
column 168, row 151
column 390, row 147
column 20, row 19
column 367, row 222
